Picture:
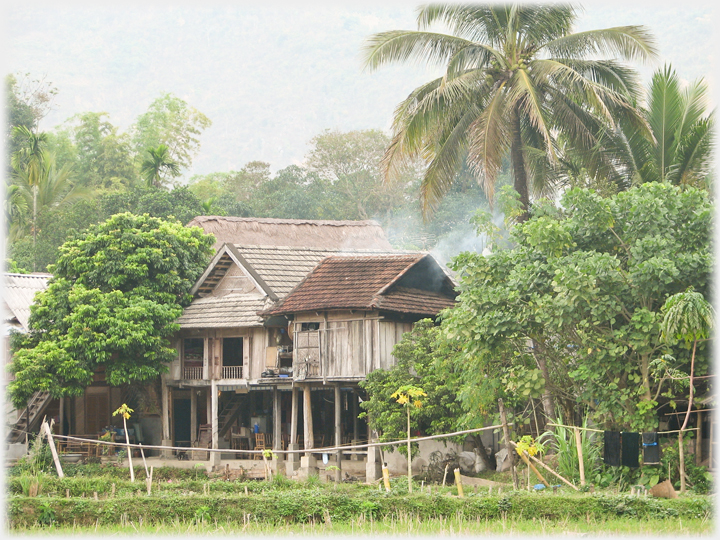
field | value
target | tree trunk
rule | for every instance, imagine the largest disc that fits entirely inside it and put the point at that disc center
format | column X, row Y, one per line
column 488, row 460
column 518, row 165
column 685, row 422
column 547, row 399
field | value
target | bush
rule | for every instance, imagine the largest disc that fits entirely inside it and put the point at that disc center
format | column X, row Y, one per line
column 306, row 505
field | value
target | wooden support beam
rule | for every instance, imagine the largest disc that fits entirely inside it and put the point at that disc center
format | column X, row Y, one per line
column 277, row 417
column 307, row 419
column 338, row 433
column 165, row 411
column 294, row 416
column 193, row 416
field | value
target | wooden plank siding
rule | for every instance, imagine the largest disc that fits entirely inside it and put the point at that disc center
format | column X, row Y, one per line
column 349, row 348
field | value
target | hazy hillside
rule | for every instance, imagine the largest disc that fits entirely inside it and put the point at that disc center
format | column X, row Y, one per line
column 270, row 78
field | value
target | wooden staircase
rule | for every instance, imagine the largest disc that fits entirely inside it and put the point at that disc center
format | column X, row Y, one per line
column 36, row 407
column 229, row 414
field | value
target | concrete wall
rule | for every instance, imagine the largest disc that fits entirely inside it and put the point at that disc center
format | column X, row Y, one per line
column 397, row 463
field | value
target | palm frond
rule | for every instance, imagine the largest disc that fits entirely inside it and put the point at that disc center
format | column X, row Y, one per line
column 627, row 42
column 489, row 142
column 406, row 45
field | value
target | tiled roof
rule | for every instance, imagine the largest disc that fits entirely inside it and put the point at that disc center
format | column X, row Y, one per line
column 280, row 268
column 406, row 300
column 370, row 282
column 231, row 311
column 19, row 292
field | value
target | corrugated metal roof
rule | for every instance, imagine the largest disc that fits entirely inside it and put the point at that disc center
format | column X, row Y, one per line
column 19, row 292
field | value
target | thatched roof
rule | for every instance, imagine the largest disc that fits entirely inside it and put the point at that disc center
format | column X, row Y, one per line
column 344, row 235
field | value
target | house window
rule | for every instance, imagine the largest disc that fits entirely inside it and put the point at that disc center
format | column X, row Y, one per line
column 308, row 326
column 193, row 353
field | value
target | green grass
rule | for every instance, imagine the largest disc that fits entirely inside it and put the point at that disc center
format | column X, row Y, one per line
column 401, row 525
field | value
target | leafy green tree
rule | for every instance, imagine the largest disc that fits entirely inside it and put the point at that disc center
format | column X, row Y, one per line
column 159, row 168
column 116, row 292
column 423, row 358
column 55, row 226
column 170, row 121
column 515, row 77
column 27, row 102
column 296, row 193
column 103, row 158
column 179, row 203
column 581, row 286
column 350, row 164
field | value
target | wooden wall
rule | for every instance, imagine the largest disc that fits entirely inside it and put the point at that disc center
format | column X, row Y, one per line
column 349, row 344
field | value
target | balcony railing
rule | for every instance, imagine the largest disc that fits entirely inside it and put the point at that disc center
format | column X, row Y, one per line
column 193, row 373
column 232, row 372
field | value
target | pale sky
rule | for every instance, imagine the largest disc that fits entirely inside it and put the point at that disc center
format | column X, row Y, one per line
column 270, row 75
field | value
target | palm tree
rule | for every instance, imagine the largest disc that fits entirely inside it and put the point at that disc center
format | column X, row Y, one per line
column 680, row 151
column 54, row 187
column 158, row 165
column 688, row 317
column 516, row 78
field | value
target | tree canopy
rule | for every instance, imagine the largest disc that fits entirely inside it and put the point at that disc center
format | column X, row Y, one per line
column 581, row 286
column 116, row 292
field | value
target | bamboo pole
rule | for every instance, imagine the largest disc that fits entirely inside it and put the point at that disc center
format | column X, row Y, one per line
column 524, row 456
column 536, row 460
column 578, row 443
column 147, row 474
column 458, row 482
column 51, row 442
column 386, row 477
column 506, row 435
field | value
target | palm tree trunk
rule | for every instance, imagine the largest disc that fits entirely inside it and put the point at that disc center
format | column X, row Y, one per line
column 518, row 165
column 34, row 226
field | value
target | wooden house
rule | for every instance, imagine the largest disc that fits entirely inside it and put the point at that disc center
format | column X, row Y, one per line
column 345, row 317
column 234, row 367
column 269, row 321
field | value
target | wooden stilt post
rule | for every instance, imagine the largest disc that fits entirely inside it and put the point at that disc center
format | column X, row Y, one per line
column 578, row 443
column 193, row 416
column 338, row 434
column 506, row 436
column 294, row 416
column 307, row 420
column 698, row 439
